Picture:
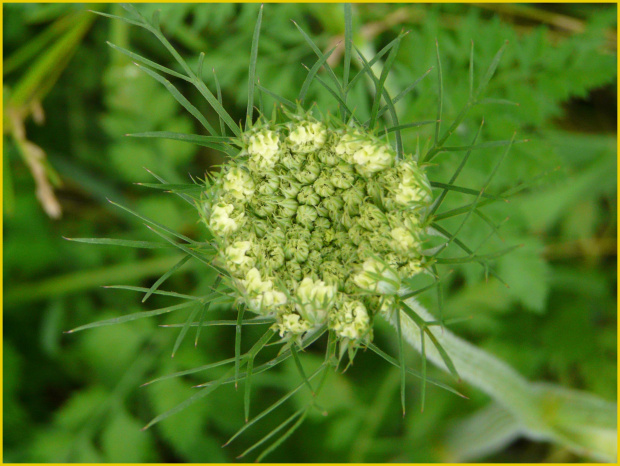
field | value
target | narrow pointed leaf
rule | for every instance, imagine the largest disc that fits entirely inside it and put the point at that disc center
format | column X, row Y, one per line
column 145, row 61
column 121, row 242
column 179, row 98
column 134, row 316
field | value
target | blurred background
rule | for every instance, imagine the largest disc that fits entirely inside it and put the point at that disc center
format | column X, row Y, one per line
column 69, row 99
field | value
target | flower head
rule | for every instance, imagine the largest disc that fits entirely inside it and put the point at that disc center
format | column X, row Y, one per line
column 315, row 221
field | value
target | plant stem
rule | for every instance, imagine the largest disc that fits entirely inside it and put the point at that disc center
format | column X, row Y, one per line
column 579, row 421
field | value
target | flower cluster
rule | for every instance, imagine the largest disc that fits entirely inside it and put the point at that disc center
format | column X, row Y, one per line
column 318, row 225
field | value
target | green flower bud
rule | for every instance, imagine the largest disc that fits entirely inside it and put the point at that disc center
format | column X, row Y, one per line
column 267, row 184
column 306, row 215
column 263, row 206
column 322, row 222
column 328, row 157
column 323, row 186
column 238, row 183
column 343, row 176
column 296, row 231
column 294, row 270
column 308, row 172
column 371, row 217
column 333, row 273
column 272, row 254
column 314, row 259
column 357, row 233
column 353, row 199
column 347, row 220
column 308, row 196
column 333, row 204
column 289, row 187
column 296, row 249
column 287, row 208
column 292, row 161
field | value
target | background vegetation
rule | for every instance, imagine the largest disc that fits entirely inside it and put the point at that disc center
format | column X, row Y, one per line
column 68, row 101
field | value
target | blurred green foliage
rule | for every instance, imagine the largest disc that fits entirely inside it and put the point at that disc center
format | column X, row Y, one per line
column 75, row 398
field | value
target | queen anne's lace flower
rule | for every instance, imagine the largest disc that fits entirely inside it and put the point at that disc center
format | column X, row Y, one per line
column 318, row 226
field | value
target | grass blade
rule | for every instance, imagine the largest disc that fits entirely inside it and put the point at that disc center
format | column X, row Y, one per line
column 282, row 439
column 444, row 193
column 184, row 330
column 440, row 99
column 190, row 401
column 238, row 343
column 120, row 242
column 205, row 308
column 218, row 91
column 252, row 70
column 159, row 292
column 320, row 55
column 272, row 433
column 490, row 71
column 417, row 124
column 165, row 277
column 300, row 369
column 312, row 73
column 348, row 41
column 401, row 361
column 386, row 96
column 274, row 406
column 145, row 61
column 460, row 189
column 185, row 197
column 404, row 92
column 180, row 98
column 153, row 223
column 191, row 371
column 375, row 349
column 381, row 83
column 183, row 248
column 132, row 317
column 279, row 98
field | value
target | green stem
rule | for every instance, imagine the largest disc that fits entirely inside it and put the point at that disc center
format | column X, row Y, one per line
column 581, row 422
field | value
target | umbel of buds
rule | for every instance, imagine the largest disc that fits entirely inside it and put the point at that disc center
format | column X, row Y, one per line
column 317, row 224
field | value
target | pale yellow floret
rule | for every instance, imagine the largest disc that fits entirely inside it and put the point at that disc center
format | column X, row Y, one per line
column 238, row 183
column 314, row 299
column 221, row 221
column 263, row 148
column 236, row 259
column 377, row 277
column 351, row 321
column 262, row 298
column 403, row 240
column 372, row 158
column 307, row 137
column 293, row 324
